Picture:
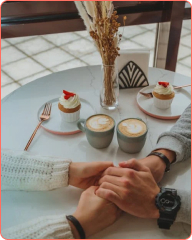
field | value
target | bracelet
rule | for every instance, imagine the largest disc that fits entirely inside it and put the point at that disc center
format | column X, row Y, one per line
column 77, row 225
column 164, row 158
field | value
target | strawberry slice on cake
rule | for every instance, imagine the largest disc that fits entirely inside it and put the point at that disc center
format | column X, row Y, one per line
column 164, row 84
column 68, row 94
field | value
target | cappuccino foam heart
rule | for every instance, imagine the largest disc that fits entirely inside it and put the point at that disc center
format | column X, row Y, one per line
column 100, row 123
column 132, row 127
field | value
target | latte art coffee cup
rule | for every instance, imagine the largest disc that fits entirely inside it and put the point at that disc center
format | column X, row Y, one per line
column 100, row 123
column 131, row 135
column 132, row 127
column 99, row 130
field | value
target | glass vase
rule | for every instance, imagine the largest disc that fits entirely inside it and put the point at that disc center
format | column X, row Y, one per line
column 110, row 87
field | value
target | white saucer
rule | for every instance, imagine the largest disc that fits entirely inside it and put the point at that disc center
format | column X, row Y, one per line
column 56, row 126
column 181, row 100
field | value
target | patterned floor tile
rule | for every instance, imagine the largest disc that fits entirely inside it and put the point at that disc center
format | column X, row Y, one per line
column 127, row 44
column 187, row 24
column 183, row 52
column 61, row 38
column 22, row 68
column 89, row 38
column 185, row 32
column 4, row 43
column 83, row 33
column 5, row 79
column 183, row 70
column 186, row 61
column 186, row 41
column 34, row 77
column 92, row 59
column 80, row 47
column 10, row 54
column 19, row 39
column 34, row 46
column 151, row 26
column 53, row 57
column 146, row 39
column 131, row 31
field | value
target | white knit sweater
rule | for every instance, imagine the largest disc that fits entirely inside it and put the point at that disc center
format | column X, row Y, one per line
column 24, row 171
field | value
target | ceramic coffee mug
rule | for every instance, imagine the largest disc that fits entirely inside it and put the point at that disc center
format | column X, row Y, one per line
column 97, row 139
column 131, row 144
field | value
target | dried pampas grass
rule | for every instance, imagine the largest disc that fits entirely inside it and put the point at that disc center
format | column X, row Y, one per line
column 83, row 14
column 101, row 22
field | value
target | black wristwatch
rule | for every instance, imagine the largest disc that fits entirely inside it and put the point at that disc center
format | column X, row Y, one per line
column 168, row 203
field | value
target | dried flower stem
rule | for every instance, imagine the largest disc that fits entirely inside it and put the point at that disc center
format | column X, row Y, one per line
column 103, row 28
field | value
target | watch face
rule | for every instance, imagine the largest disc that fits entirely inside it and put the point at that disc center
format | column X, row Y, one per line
column 167, row 201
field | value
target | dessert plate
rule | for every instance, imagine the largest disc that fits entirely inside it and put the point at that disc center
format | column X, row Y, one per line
column 56, row 126
column 181, row 100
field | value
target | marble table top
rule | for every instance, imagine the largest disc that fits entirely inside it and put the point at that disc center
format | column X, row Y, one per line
column 19, row 119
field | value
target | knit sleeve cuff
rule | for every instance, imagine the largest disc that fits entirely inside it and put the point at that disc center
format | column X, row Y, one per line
column 60, row 174
column 173, row 144
column 184, row 214
column 47, row 227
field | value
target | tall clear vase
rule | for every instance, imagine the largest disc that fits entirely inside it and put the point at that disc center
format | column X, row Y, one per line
column 110, row 87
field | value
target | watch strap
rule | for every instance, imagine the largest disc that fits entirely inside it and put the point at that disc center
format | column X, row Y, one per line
column 164, row 224
column 165, row 220
column 163, row 157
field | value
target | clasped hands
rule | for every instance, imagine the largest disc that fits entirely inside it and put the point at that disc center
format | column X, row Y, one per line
column 131, row 188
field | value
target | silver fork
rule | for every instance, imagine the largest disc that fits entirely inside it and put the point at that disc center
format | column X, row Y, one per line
column 44, row 117
column 150, row 95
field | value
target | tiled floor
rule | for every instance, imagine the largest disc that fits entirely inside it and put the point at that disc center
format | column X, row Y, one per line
column 27, row 58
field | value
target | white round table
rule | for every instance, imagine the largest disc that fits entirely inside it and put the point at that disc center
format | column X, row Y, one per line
column 19, row 119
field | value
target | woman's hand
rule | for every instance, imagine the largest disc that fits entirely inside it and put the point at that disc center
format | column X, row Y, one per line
column 95, row 213
column 86, row 174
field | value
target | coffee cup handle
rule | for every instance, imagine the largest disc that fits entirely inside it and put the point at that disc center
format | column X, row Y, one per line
column 81, row 124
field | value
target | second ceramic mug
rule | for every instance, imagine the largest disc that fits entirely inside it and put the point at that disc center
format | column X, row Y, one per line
column 131, row 144
column 97, row 139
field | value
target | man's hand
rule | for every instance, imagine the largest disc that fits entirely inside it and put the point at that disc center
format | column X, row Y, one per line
column 95, row 213
column 84, row 174
column 132, row 189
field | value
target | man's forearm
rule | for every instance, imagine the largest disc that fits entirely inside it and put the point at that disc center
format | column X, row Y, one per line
column 178, row 139
column 175, row 145
column 156, row 164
